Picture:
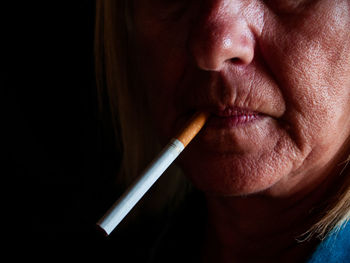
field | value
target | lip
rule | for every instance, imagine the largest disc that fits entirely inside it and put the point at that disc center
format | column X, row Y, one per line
column 232, row 121
column 233, row 112
column 233, row 117
column 232, row 130
column 226, row 118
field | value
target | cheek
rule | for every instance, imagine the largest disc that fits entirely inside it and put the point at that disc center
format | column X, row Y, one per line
column 318, row 94
column 311, row 63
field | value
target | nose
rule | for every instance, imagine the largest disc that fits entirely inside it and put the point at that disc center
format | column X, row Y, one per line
column 221, row 36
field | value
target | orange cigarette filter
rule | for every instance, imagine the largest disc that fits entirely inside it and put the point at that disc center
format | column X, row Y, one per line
column 194, row 125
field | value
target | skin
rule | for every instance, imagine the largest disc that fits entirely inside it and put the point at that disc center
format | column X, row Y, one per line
column 289, row 61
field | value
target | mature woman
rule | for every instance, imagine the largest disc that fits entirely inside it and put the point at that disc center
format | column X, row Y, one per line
column 271, row 161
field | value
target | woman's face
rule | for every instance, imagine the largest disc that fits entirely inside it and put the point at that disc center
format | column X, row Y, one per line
column 274, row 74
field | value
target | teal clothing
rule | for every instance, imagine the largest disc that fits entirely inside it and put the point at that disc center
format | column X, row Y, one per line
column 335, row 248
column 181, row 238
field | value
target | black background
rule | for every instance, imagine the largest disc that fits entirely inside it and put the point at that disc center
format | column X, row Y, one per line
column 60, row 155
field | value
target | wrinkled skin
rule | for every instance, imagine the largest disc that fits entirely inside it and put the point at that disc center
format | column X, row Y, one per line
column 288, row 60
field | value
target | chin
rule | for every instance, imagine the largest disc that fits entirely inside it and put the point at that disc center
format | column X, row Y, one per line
column 232, row 183
column 235, row 175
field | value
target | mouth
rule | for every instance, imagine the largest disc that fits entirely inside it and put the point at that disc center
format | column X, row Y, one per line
column 233, row 117
column 233, row 130
column 230, row 119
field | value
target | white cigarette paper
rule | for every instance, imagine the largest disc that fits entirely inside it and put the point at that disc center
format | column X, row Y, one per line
column 144, row 182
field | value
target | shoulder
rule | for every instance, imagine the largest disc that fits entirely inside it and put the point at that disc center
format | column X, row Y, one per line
column 334, row 248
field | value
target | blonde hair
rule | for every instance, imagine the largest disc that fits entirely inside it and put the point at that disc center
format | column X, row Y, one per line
column 132, row 126
column 337, row 213
column 112, row 52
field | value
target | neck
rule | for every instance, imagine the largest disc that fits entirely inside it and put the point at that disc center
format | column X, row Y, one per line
column 261, row 228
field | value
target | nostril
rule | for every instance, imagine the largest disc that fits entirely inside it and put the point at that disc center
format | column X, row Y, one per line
column 236, row 61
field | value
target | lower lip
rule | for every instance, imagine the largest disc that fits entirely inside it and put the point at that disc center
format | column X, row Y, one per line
column 232, row 121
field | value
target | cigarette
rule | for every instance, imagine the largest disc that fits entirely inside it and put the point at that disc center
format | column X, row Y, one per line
column 151, row 174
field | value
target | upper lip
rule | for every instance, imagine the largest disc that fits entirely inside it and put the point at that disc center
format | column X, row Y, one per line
column 231, row 92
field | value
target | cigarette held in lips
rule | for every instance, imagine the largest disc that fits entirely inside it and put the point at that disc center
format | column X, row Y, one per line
column 151, row 174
